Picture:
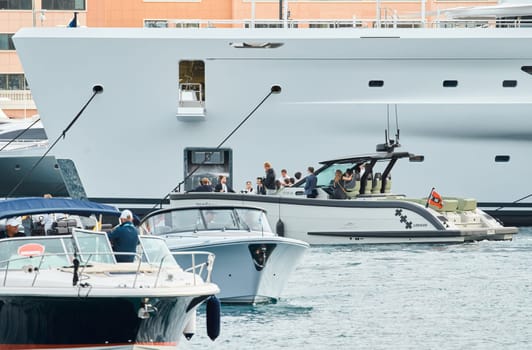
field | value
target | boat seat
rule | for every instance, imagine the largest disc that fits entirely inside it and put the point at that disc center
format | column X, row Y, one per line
column 466, row 204
column 352, row 192
column 388, row 185
column 62, row 227
column 448, row 205
column 369, row 184
column 377, row 183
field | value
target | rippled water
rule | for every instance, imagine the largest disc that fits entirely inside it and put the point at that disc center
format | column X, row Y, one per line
column 469, row 296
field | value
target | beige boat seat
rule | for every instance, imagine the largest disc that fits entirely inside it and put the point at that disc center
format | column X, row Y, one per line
column 369, row 184
column 388, row 185
column 353, row 191
column 448, row 205
column 464, row 204
column 377, row 183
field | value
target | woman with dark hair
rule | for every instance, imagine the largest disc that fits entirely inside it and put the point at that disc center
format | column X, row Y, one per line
column 338, row 186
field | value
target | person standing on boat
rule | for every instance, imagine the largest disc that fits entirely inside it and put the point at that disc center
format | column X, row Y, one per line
column 124, row 238
column 269, row 180
column 221, row 186
column 311, row 183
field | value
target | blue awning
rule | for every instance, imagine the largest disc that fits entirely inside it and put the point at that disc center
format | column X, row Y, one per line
column 40, row 205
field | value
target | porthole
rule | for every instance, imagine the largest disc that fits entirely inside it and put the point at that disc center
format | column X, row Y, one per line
column 527, row 69
column 502, row 158
column 376, row 83
column 509, row 83
column 450, row 83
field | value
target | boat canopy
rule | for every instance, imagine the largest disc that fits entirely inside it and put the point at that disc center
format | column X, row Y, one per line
column 41, row 205
column 378, row 156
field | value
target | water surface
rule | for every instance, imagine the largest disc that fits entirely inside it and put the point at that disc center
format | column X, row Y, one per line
column 467, row 296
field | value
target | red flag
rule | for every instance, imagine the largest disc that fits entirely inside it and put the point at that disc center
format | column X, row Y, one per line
column 435, row 199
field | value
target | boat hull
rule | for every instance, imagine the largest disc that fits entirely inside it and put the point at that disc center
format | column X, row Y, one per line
column 241, row 273
column 332, row 222
column 41, row 322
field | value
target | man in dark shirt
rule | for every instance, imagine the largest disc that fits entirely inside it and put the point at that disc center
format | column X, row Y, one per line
column 124, row 238
column 205, row 186
column 269, row 179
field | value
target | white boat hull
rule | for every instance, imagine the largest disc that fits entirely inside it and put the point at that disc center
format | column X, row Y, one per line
column 332, row 222
column 237, row 273
column 326, row 106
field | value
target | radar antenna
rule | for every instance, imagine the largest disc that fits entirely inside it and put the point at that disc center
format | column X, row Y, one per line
column 390, row 144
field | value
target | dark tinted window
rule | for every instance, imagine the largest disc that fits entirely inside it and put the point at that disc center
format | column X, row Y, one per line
column 509, row 83
column 450, row 83
column 376, row 83
column 15, row 4
column 63, row 4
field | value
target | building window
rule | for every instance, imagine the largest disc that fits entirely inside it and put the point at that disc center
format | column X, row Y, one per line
column 13, row 82
column 63, row 5
column 155, row 23
column 6, row 41
column 15, row 4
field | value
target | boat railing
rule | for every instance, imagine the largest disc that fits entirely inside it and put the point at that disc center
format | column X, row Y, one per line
column 201, row 269
column 388, row 22
column 190, row 95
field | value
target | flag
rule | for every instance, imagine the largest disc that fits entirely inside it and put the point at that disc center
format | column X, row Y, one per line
column 435, row 199
column 74, row 22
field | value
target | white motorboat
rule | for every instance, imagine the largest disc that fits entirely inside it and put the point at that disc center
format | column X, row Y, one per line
column 371, row 212
column 459, row 91
column 68, row 291
column 253, row 264
column 21, row 134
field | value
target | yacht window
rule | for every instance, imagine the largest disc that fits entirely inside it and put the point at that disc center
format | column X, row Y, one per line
column 253, row 219
column 509, row 83
column 191, row 82
column 527, row 69
column 376, row 83
column 326, row 177
column 502, row 158
column 450, row 83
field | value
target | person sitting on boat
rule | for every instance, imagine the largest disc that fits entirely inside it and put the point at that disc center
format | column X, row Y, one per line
column 349, row 180
column 124, row 238
column 337, row 186
column 205, row 186
column 269, row 180
column 249, row 188
column 311, row 183
column 260, row 186
column 222, row 186
column 12, row 226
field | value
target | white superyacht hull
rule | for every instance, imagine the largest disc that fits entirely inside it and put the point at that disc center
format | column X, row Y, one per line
column 129, row 144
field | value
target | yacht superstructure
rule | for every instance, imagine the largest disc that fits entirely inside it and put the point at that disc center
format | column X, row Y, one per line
column 172, row 97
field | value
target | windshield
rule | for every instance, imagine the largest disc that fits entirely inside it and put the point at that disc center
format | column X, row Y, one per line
column 202, row 219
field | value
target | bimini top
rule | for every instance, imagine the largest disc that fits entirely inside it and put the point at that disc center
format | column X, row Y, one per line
column 378, row 156
column 40, row 205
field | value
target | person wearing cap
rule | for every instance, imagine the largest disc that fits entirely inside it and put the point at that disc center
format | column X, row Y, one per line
column 124, row 238
column 12, row 226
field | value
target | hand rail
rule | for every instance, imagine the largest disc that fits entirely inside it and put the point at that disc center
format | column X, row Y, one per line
column 195, row 269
